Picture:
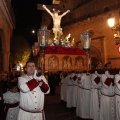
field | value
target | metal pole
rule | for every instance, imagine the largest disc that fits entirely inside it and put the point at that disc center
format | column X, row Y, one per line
column 43, row 61
column 88, row 61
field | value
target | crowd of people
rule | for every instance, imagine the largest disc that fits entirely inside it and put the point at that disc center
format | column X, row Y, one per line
column 22, row 95
column 94, row 94
column 90, row 95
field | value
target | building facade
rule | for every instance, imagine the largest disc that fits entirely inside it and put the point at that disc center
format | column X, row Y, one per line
column 7, row 24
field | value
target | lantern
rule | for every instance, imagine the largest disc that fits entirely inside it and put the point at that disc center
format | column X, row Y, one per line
column 86, row 40
column 43, row 36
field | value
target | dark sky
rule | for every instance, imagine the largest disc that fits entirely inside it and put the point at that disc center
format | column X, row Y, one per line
column 28, row 17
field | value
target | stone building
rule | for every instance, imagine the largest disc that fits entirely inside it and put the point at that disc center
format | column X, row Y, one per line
column 7, row 23
column 91, row 15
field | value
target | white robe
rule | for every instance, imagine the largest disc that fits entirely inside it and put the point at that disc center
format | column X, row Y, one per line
column 31, row 101
column 117, row 96
column 79, row 96
column 95, row 98
column 69, row 91
column 12, row 98
column 75, row 90
column 63, row 92
column 85, row 97
column 107, row 100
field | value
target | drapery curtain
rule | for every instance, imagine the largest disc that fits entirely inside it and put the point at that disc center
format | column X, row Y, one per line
column 62, row 50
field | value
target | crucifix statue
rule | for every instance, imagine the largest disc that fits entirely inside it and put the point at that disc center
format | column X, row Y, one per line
column 57, row 30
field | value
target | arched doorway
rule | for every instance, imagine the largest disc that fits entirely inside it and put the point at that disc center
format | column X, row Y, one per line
column 95, row 53
column 95, row 56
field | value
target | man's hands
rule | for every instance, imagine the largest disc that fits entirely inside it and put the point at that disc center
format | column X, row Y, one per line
column 40, row 83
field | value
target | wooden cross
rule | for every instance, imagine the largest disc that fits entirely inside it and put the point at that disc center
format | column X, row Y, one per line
column 50, row 7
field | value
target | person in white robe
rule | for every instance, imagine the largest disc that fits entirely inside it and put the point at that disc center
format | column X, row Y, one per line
column 117, row 96
column 107, row 100
column 79, row 96
column 69, row 90
column 32, row 90
column 85, row 97
column 75, row 90
column 95, row 96
column 63, row 92
column 11, row 100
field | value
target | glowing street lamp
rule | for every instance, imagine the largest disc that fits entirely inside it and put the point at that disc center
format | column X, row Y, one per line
column 111, row 22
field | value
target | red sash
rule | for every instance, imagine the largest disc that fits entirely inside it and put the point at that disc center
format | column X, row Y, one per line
column 42, row 111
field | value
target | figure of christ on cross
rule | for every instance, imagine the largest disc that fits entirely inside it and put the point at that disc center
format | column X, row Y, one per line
column 57, row 30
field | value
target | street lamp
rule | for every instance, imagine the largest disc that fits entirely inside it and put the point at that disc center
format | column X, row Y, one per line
column 111, row 23
column 43, row 36
column 86, row 41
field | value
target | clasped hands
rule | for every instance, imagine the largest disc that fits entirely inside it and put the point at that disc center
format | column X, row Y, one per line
column 40, row 82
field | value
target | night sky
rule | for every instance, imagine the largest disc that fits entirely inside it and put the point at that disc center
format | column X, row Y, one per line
column 28, row 18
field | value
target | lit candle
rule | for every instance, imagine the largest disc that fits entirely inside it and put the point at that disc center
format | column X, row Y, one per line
column 43, row 40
